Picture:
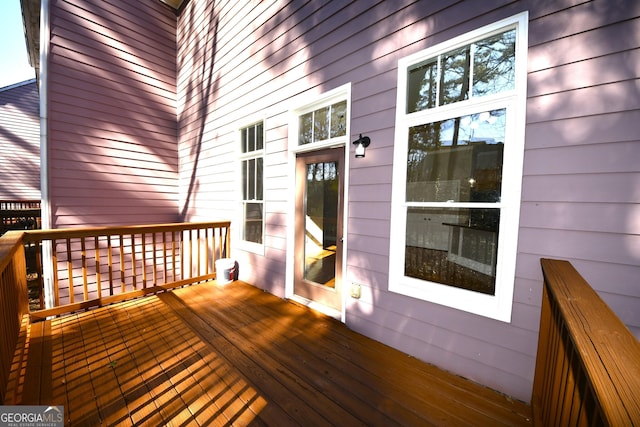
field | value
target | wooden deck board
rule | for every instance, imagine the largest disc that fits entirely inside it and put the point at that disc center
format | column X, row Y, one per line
column 234, row 355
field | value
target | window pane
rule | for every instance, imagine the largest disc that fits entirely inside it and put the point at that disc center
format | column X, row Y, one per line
column 454, row 84
column 456, row 160
column 422, row 86
column 494, row 64
column 251, row 138
column 259, row 184
column 251, row 179
column 253, row 222
column 338, row 119
column 245, row 172
column 321, row 124
column 451, row 246
column 305, row 131
column 243, row 140
column 259, row 137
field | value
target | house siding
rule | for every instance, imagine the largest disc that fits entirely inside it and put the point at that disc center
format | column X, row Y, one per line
column 20, row 141
column 112, row 128
column 580, row 188
column 144, row 111
column 581, row 175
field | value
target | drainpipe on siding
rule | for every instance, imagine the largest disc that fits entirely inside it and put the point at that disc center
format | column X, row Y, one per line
column 44, row 151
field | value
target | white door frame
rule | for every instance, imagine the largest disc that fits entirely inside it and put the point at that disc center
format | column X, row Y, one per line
column 339, row 94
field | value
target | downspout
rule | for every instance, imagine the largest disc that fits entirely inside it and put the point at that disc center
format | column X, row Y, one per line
column 44, row 151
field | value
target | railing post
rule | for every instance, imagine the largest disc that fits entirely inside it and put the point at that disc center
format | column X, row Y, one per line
column 588, row 364
column 14, row 302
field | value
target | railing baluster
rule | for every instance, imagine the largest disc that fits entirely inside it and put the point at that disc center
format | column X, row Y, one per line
column 173, row 256
column 199, row 255
column 85, row 282
column 206, row 251
column 54, row 259
column 182, row 247
column 123, row 287
column 96, row 242
column 191, row 249
column 164, row 256
column 39, row 272
column 70, row 272
column 155, row 258
column 110, row 264
column 134, row 271
column 144, row 261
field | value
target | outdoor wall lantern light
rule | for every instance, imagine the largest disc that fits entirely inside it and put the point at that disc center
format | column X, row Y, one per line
column 361, row 144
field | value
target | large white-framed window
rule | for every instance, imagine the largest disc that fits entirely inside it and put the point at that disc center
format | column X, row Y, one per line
column 252, row 149
column 457, row 173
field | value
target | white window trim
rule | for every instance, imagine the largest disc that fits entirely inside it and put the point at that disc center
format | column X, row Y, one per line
column 498, row 306
column 301, row 107
column 336, row 95
column 256, row 248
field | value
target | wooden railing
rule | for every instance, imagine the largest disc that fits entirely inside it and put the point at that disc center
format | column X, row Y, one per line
column 19, row 214
column 13, row 300
column 19, row 204
column 98, row 266
column 588, row 364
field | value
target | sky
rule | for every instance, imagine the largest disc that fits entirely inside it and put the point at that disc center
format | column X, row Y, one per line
column 14, row 62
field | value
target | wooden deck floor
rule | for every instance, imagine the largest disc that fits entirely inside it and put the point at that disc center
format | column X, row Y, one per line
column 234, row 355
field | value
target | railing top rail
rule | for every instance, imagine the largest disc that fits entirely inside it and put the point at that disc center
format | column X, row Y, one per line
column 19, row 204
column 63, row 233
column 608, row 350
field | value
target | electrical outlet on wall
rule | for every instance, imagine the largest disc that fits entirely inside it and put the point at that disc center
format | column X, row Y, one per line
column 355, row 290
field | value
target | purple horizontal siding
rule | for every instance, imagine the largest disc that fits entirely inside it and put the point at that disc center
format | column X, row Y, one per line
column 238, row 59
column 112, row 116
column 20, row 142
column 580, row 190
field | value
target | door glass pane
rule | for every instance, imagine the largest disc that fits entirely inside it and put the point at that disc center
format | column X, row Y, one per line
column 321, row 220
column 457, row 160
column 453, row 246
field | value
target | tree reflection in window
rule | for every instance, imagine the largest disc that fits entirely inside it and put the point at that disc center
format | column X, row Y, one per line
column 323, row 124
column 481, row 68
column 459, row 159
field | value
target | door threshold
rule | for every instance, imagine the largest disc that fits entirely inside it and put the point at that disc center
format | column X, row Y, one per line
column 328, row 311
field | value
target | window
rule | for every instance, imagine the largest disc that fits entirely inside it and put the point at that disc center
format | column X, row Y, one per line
column 252, row 166
column 458, row 168
column 323, row 124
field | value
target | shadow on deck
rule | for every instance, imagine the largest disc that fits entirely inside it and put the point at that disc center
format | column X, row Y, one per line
column 221, row 355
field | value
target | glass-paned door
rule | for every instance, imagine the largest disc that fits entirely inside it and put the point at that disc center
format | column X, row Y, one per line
column 318, row 236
